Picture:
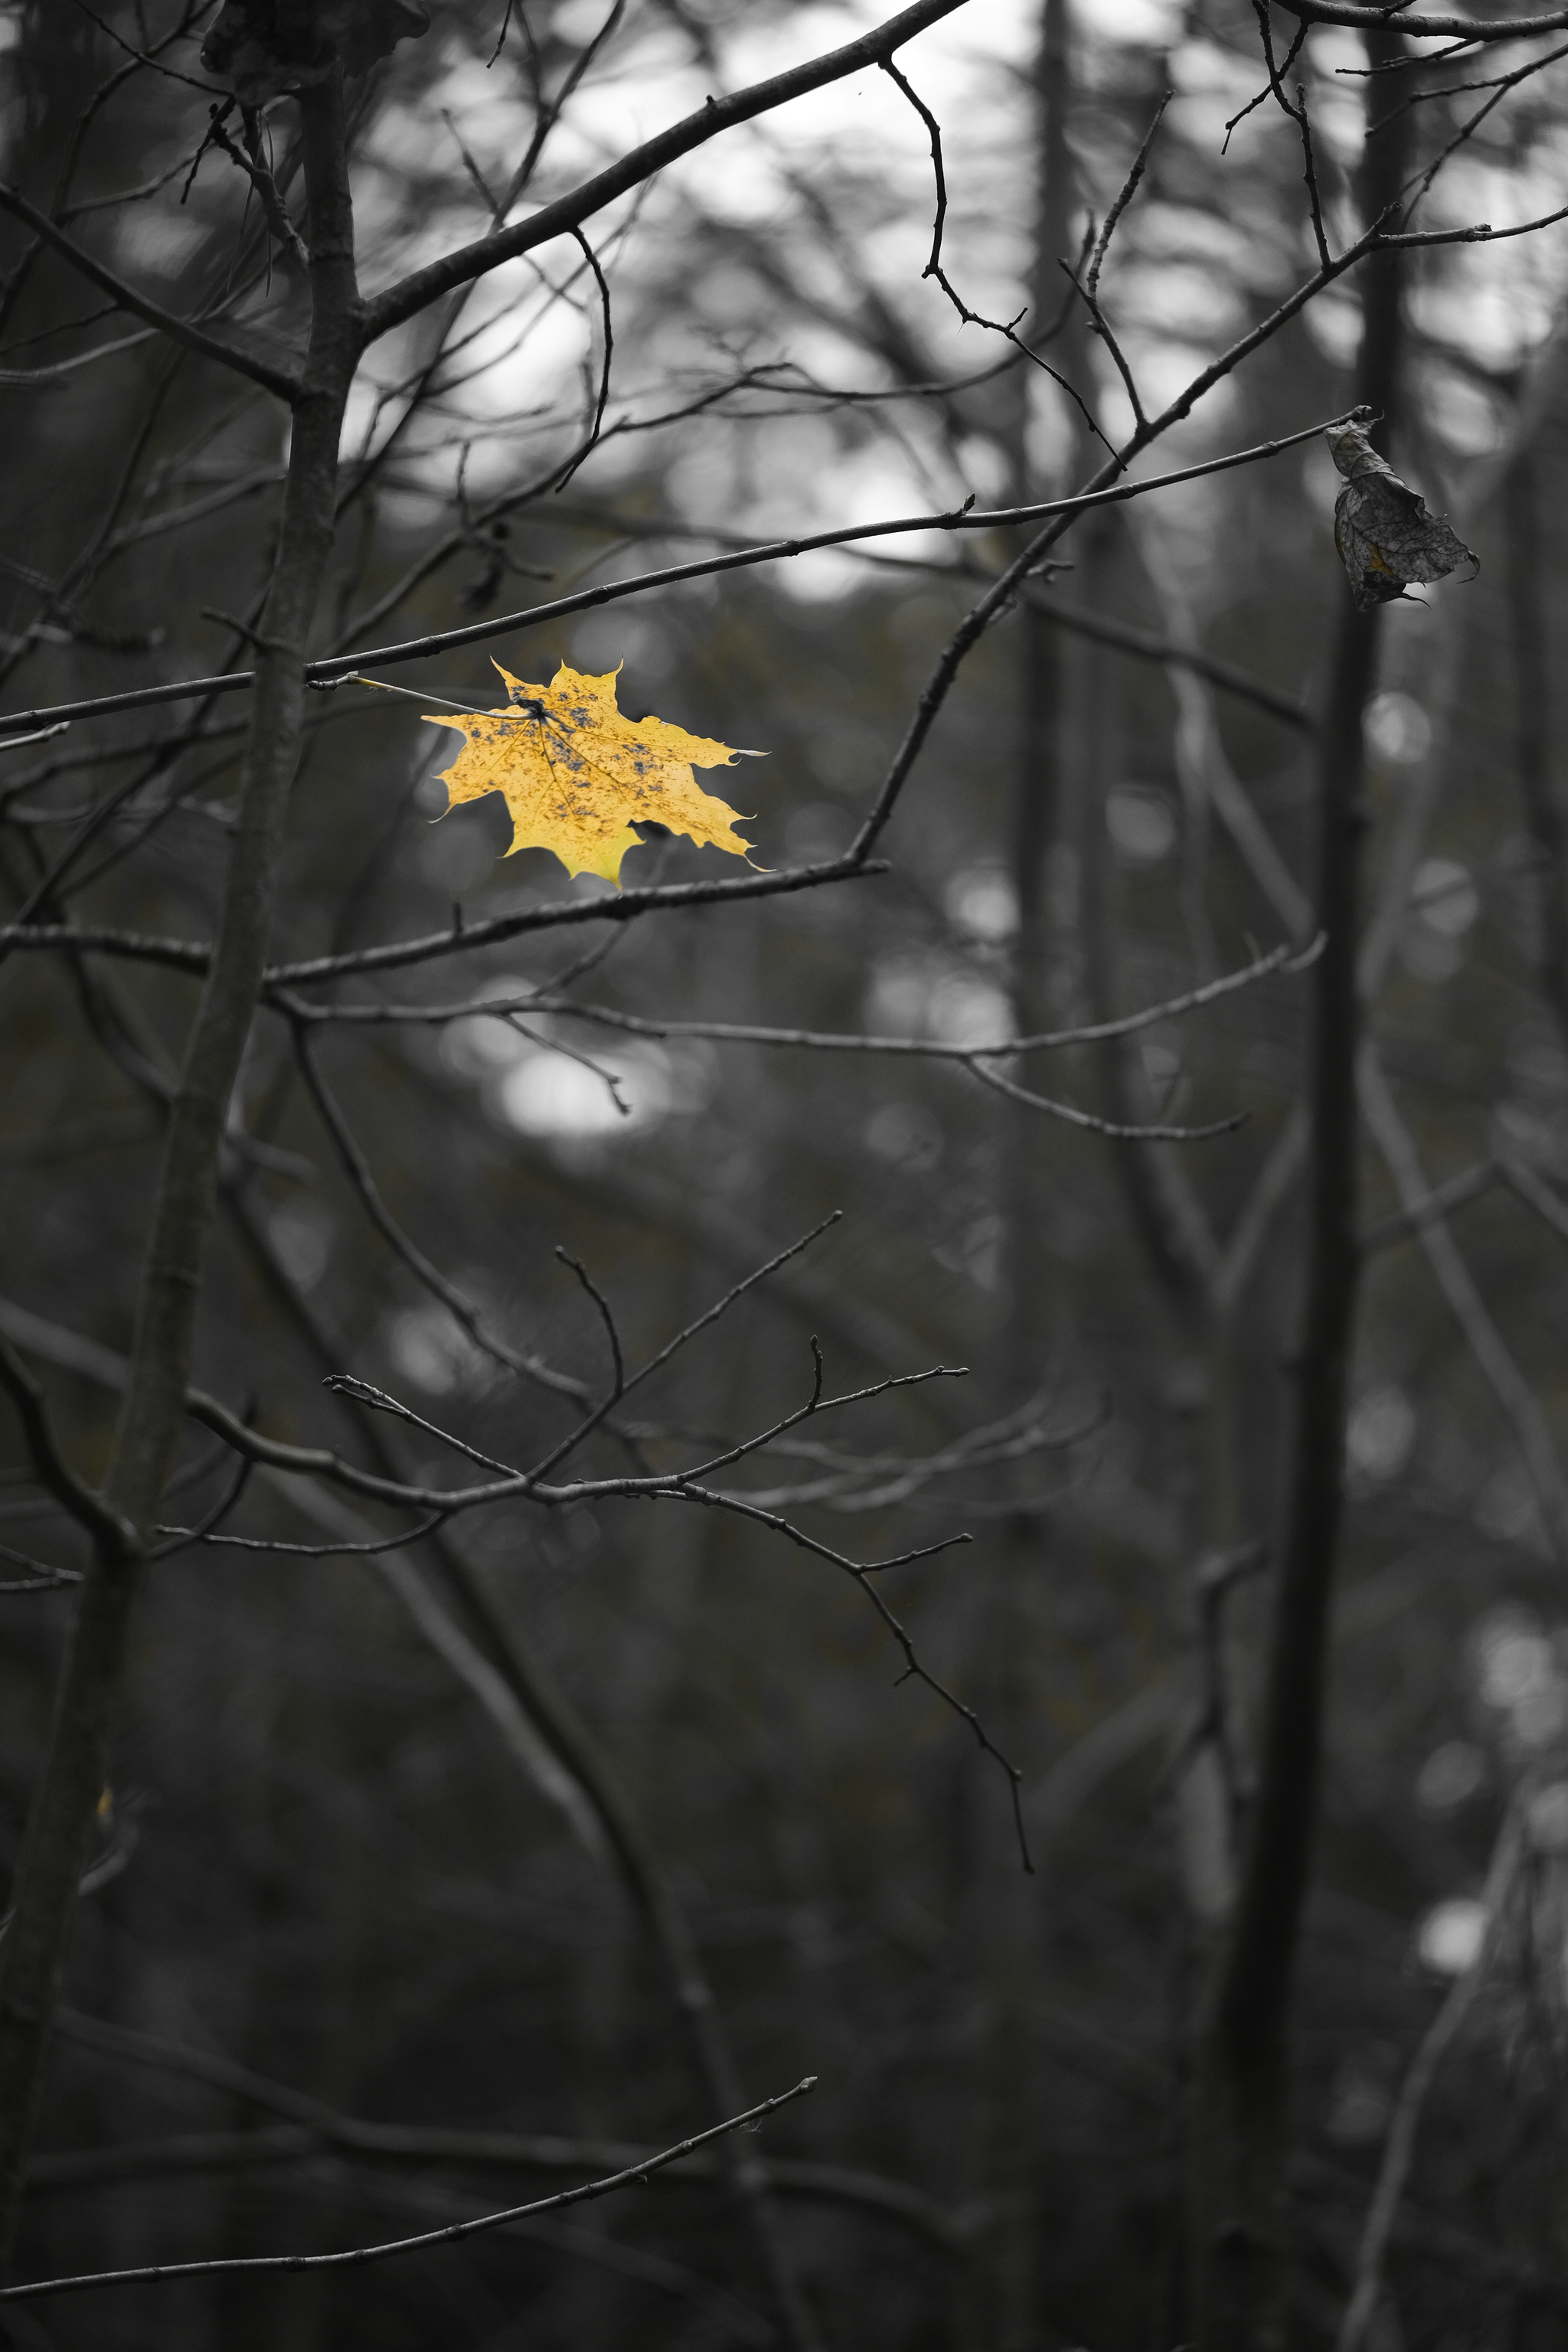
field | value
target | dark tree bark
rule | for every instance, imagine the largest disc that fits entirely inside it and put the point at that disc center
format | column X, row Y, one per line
column 1036, row 815
column 1522, row 490
column 76, row 1770
column 1240, row 2125
column 1005, row 1904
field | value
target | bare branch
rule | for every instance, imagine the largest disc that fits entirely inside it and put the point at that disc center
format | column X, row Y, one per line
column 933, row 269
column 355, row 2257
column 1069, row 1113
column 1309, row 172
column 1278, row 960
column 114, row 1536
column 1106, row 492
column 315, row 2122
column 179, row 330
column 360, row 1548
column 861, row 1574
column 574, row 1438
column 595, row 427
column 1272, row 85
column 1128, row 190
column 1422, row 27
column 357, row 1168
column 417, row 292
column 252, row 162
column 365, row 1393
column 605, row 1318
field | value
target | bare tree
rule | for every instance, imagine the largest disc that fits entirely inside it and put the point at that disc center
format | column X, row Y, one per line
column 349, row 404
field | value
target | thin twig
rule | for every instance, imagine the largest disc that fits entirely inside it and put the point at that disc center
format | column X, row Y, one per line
column 75, row 1497
column 709, row 1315
column 1286, row 960
column 1129, row 189
column 1310, row 173
column 1006, row 328
column 633, row 2175
column 630, row 170
column 861, row 1573
column 605, row 1318
column 357, row 1168
column 179, row 330
column 365, row 1548
column 253, row 162
column 596, row 426
column 1262, row 97
column 314, row 2121
column 365, row 1393
column 1420, row 184
column 1098, row 325
column 205, row 1530
column 1093, row 1123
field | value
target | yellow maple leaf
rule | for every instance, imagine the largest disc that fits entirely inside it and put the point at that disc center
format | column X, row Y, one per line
column 576, row 775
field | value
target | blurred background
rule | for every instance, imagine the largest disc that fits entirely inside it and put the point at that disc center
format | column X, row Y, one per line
column 349, row 1879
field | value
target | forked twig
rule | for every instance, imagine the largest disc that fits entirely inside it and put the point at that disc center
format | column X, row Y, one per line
column 1269, row 87
column 933, row 269
column 365, row 1393
column 1298, row 115
column 736, row 1292
column 1090, row 287
column 862, row 1573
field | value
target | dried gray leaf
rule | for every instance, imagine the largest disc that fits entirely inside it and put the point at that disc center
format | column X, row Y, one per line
column 1385, row 535
column 261, row 48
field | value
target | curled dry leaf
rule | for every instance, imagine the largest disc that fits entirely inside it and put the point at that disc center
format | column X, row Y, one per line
column 1385, row 535
column 577, row 775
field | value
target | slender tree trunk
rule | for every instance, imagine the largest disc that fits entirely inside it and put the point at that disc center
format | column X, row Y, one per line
column 1521, row 493
column 1240, row 2128
column 1039, row 641
column 1036, row 807
column 34, row 1952
column 1004, row 1906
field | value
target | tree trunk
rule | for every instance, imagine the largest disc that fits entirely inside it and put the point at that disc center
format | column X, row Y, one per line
column 1521, row 493
column 34, row 1955
column 1240, row 2123
column 1004, row 1906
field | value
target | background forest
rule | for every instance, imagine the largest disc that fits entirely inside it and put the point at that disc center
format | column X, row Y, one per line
column 446, row 1861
